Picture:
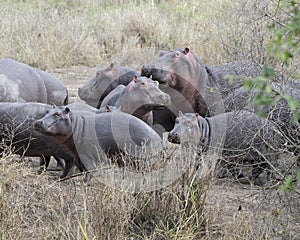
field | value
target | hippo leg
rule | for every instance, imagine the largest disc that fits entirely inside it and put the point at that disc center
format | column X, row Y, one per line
column 44, row 163
column 60, row 164
column 69, row 163
column 68, row 166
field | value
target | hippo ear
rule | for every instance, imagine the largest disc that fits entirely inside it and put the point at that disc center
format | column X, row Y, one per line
column 67, row 110
column 180, row 114
column 186, row 50
column 107, row 108
column 135, row 78
column 111, row 66
column 157, row 83
column 53, row 105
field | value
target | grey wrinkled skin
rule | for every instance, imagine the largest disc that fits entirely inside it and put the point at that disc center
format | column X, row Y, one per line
column 246, row 137
column 17, row 128
column 57, row 92
column 22, row 83
column 93, row 137
column 138, row 98
column 95, row 90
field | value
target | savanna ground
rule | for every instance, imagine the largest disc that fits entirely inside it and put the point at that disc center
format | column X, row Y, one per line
column 71, row 39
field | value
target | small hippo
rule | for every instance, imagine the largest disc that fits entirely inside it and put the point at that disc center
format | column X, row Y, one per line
column 92, row 138
column 240, row 135
column 95, row 90
column 138, row 98
column 17, row 130
column 22, row 83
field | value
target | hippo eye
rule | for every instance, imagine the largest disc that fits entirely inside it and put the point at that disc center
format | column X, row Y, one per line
column 144, row 84
column 187, row 123
column 98, row 74
column 57, row 114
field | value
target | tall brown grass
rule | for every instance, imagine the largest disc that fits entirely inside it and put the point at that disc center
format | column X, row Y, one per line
column 63, row 33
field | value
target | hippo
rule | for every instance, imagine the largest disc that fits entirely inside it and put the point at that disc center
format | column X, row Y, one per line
column 22, row 83
column 240, row 136
column 57, row 93
column 221, row 88
column 200, row 85
column 94, row 138
column 17, row 130
column 138, row 98
column 95, row 90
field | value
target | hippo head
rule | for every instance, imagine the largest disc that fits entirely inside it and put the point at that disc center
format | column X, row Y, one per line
column 143, row 94
column 173, row 67
column 104, row 82
column 56, row 122
column 96, row 87
column 186, row 129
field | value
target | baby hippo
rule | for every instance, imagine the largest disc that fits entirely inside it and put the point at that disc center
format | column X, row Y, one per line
column 92, row 137
column 239, row 136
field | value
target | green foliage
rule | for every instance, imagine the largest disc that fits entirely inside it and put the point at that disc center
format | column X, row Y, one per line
column 290, row 183
column 285, row 46
column 265, row 93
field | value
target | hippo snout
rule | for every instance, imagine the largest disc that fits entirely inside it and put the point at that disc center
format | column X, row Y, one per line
column 38, row 125
column 147, row 70
column 174, row 137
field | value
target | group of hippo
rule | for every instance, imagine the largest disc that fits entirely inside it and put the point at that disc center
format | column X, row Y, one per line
column 127, row 111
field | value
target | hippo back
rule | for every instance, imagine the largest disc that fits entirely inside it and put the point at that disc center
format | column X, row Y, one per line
column 112, row 133
column 20, row 83
column 57, row 92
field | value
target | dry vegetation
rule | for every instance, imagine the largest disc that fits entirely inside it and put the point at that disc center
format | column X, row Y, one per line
column 70, row 38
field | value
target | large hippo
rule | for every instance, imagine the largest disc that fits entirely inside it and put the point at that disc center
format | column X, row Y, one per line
column 22, row 83
column 239, row 136
column 138, row 98
column 104, row 82
column 17, row 130
column 92, row 138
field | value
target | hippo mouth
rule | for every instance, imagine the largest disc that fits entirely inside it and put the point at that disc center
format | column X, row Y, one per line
column 173, row 139
column 158, row 77
column 39, row 126
column 150, row 107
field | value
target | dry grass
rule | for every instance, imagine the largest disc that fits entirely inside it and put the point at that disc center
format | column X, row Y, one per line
column 40, row 207
column 56, row 35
